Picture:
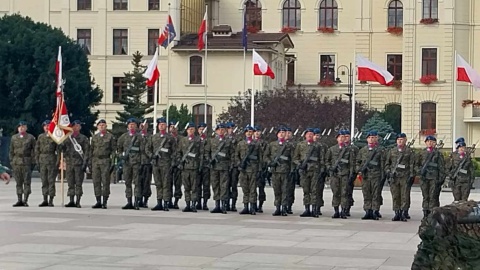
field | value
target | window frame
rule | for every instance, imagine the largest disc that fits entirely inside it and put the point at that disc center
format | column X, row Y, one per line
column 424, row 61
column 427, row 4
column 122, row 87
column 294, row 64
column 151, row 95
column 395, row 65
column 84, row 5
column 253, row 11
column 321, row 79
column 429, row 112
column 89, row 37
column 396, row 16
column 120, row 4
column 200, row 117
column 115, row 38
column 152, row 3
column 152, row 40
column 323, row 11
column 297, row 11
column 190, row 82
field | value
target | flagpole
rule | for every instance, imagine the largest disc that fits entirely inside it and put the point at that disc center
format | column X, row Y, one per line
column 205, row 66
column 454, row 114
column 354, row 82
column 252, row 102
column 169, row 71
column 244, row 53
column 155, row 111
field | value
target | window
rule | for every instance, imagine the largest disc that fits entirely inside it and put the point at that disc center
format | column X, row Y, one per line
column 291, row 14
column 429, row 117
column 152, row 40
column 253, row 14
column 153, row 4
column 199, row 114
column 429, row 61
column 290, row 59
column 120, row 41
column 327, row 68
column 328, row 13
column 119, row 86
column 196, row 69
column 151, row 95
column 430, row 9
column 394, row 65
column 395, row 14
column 84, row 4
column 120, row 4
column 84, row 39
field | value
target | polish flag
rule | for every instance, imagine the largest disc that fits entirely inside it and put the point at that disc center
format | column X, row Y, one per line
column 368, row 71
column 152, row 74
column 465, row 73
column 260, row 67
column 202, row 33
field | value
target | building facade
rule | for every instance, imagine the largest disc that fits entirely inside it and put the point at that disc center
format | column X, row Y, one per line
column 415, row 40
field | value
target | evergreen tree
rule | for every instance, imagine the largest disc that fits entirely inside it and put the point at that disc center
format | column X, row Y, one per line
column 182, row 115
column 393, row 115
column 133, row 95
column 376, row 122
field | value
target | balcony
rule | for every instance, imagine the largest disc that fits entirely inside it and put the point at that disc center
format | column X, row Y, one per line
column 471, row 112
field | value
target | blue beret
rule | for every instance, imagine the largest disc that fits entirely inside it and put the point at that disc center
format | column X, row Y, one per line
column 309, row 130
column 372, row 133
column 101, row 121
column 430, row 138
column 78, row 122
column 230, row 125
column 221, row 125
column 22, row 123
column 202, row 125
column 172, row 122
column 191, row 124
column 401, row 135
column 461, row 144
column 131, row 120
column 340, row 132
column 257, row 128
column 46, row 122
column 248, row 128
column 161, row 120
column 288, row 129
column 316, row 131
column 346, row 132
column 459, row 140
column 282, row 129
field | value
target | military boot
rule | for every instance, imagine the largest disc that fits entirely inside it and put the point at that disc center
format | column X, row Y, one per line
column 227, row 205
column 105, row 200
column 402, row 216
column 170, row 204
column 284, row 210
column 166, row 205
column 139, row 203
column 289, row 209
column 205, row 205
column 216, row 209
column 347, row 211
column 175, row 204
column 375, row 216
column 129, row 204
column 145, row 202
column 77, row 202
column 405, row 213
column 25, row 201
column 99, row 202
column 19, row 201
column 245, row 209
column 260, row 207
column 194, row 206
column 336, row 213
column 198, row 204
column 233, row 208
column 319, row 210
column 342, row 214
column 50, row 201
column 368, row 214
column 377, row 213
column 253, row 208
column 397, row 216
column 277, row 211
column 224, row 207
column 45, row 201
column 187, row 207
column 71, row 203
column 158, row 207
column 315, row 211
column 307, row 212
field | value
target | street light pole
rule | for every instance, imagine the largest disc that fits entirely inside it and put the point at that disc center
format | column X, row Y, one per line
column 350, row 86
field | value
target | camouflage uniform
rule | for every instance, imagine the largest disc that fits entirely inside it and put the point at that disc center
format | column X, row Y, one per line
column 176, row 184
column 189, row 158
column 291, row 181
column 47, row 157
column 465, row 176
column 249, row 171
column 103, row 146
column 321, row 178
column 131, row 147
column 432, row 179
column 75, row 166
column 22, row 159
column 372, row 177
column 203, row 183
column 145, row 178
column 351, row 184
column 161, row 150
column 400, row 167
column 262, row 178
column 310, row 173
column 219, row 152
column 234, row 174
column 340, row 163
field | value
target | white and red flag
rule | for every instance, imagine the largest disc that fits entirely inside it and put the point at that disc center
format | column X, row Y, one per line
column 59, row 128
column 368, row 71
column 465, row 73
column 151, row 73
column 202, row 33
column 260, row 67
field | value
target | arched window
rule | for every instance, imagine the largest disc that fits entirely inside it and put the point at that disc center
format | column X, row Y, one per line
column 196, row 69
column 253, row 14
column 395, row 14
column 199, row 114
column 428, row 118
column 328, row 13
column 291, row 14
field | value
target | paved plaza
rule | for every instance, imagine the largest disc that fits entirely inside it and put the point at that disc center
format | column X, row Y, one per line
column 69, row 238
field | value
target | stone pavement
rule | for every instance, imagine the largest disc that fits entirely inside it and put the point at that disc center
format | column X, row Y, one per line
column 70, row 238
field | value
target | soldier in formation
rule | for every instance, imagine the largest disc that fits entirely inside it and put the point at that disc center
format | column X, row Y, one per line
column 234, row 172
column 203, row 183
column 461, row 172
column 176, row 185
column 47, row 156
column 263, row 173
column 145, row 178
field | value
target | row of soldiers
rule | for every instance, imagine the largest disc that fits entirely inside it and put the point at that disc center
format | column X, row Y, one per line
column 199, row 162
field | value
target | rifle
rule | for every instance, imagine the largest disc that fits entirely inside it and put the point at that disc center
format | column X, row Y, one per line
column 364, row 168
column 429, row 158
column 214, row 156
column 334, row 168
column 156, row 155
column 280, row 151
column 246, row 159
column 303, row 165
column 391, row 176
column 184, row 157
column 461, row 164
column 125, row 156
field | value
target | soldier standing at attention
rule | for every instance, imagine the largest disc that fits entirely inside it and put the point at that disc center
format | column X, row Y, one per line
column 22, row 159
column 47, row 157
column 370, row 164
column 130, row 145
column 431, row 168
column 145, row 178
column 262, row 175
column 461, row 172
column 219, row 153
column 278, row 156
column 293, row 174
column 400, row 167
column 234, row 172
column 322, row 174
column 161, row 150
column 203, row 183
column 176, row 186
column 309, row 159
column 339, row 161
column 248, row 157
column 103, row 146
column 351, row 182
column 188, row 158
column 75, row 151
